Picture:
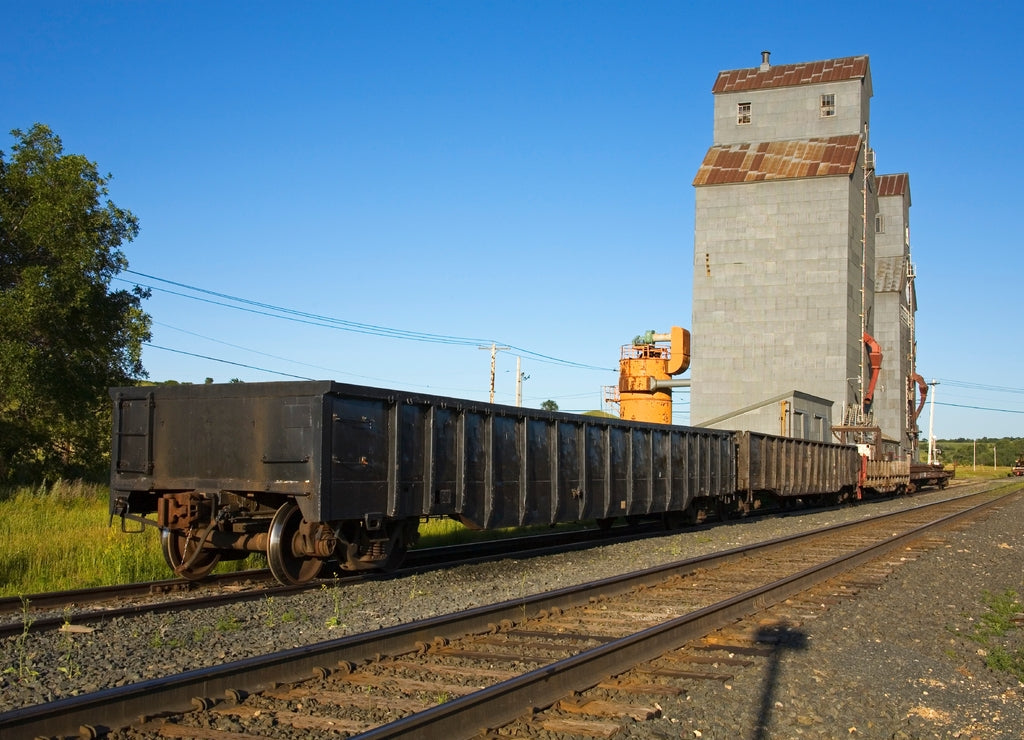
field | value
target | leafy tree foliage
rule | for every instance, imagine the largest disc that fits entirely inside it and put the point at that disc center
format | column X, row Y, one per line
column 65, row 336
column 549, row 405
column 983, row 451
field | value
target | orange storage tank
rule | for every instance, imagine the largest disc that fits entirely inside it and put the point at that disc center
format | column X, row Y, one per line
column 642, row 363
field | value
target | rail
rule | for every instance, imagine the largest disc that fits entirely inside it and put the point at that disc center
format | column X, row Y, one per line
column 118, row 707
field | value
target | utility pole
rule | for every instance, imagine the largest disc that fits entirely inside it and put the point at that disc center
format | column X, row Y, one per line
column 520, row 377
column 931, row 424
column 494, row 354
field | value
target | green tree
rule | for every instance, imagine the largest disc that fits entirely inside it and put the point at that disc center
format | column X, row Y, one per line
column 549, row 405
column 64, row 334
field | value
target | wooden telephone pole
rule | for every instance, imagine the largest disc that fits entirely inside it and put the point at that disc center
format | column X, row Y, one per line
column 494, row 354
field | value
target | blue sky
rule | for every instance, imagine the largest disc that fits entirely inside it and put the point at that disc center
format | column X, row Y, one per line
column 517, row 172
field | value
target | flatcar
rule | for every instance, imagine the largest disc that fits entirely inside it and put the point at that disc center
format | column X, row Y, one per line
column 316, row 470
column 923, row 475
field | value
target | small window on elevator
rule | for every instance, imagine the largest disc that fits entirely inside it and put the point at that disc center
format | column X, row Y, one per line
column 828, row 105
column 743, row 113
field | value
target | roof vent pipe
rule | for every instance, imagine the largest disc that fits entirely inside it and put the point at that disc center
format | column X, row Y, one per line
column 764, row 60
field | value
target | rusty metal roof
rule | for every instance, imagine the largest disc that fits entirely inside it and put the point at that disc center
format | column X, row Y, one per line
column 893, row 184
column 786, row 75
column 890, row 274
column 779, row 160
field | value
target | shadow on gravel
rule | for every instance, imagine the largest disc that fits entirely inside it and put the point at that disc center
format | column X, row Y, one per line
column 780, row 638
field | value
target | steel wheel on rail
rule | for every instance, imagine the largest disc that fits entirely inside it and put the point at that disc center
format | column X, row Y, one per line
column 285, row 564
column 180, row 553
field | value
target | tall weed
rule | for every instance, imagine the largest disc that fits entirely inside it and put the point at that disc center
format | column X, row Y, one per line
column 59, row 537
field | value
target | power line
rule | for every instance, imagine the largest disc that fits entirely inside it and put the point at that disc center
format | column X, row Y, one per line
column 977, row 408
column 333, row 371
column 329, row 321
column 245, row 349
column 308, row 322
column 226, row 362
column 980, row 386
column 303, row 317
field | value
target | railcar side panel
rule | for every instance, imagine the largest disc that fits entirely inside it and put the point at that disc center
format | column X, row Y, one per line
column 362, row 441
column 475, row 462
column 219, row 438
column 661, row 470
column 572, row 503
column 886, row 476
column 789, row 467
column 597, row 471
column 541, row 470
column 619, row 470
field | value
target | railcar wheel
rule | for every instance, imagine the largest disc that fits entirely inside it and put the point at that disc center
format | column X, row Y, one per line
column 285, row 565
column 179, row 550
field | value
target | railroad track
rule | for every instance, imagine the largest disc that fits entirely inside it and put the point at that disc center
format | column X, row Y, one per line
column 50, row 611
column 483, row 668
column 93, row 605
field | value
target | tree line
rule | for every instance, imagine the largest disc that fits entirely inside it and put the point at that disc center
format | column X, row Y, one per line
column 986, row 451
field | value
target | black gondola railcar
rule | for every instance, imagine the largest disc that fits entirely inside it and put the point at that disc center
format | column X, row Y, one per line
column 307, row 471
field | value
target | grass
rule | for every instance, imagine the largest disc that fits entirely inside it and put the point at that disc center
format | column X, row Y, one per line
column 983, row 472
column 996, row 629
column 59, row 537
column 438, row 532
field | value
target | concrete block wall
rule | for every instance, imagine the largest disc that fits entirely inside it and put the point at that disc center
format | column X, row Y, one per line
column 782, row 114
column 893, row 335
column 774, row 284
column 893, row 314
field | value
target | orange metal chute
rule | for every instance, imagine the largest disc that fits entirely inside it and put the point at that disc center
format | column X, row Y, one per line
column 875, row 356
column 679, row 350
column 923, row 389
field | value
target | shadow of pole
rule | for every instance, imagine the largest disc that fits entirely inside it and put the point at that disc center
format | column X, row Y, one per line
column 781, row 637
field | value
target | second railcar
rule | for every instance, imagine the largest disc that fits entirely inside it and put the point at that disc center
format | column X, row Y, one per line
column 923, row 475
column 785, row 468
column 307, row 471
column 886, row 476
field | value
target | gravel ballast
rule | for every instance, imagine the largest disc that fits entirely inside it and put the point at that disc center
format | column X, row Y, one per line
column 895, row 662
